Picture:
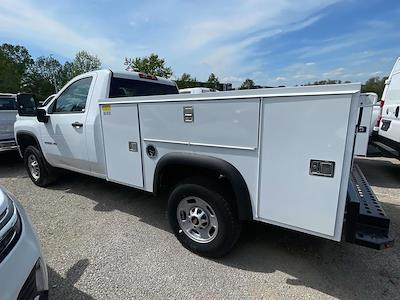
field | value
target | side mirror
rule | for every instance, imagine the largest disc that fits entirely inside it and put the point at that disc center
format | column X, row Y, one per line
column 26, row 105
column 41, row 115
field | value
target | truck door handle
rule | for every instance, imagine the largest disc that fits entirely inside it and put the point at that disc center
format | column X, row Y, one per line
column 77, row 125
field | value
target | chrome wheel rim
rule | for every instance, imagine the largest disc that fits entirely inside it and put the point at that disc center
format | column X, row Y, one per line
column 33, row 166
column 197, row 219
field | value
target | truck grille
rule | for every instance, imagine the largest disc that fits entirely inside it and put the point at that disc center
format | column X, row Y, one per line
column 10, row 238
column 7, row 214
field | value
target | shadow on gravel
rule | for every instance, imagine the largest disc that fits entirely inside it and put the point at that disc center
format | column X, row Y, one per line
column 381, row 173
column 63, row 288
column 111, row 196
column 11, row 165
column 340, row 270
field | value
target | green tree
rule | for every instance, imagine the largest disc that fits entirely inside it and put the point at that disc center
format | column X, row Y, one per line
column 14, row 62
column 151, row 64
column 247, row 84
column 213, row 82
column 186, row 81
column 66, row 73
column 327, row 81
column 85, row 62
column 43, row 77
column 375, row 85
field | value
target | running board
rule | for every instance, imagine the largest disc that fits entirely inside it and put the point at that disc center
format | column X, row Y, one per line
column 366, row 222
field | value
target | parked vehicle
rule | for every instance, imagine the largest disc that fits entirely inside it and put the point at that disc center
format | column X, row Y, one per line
column 23, row 271
column 220, row 157
column 8, row 113
column 389, row 131
column 196, row 90
column 368, row 118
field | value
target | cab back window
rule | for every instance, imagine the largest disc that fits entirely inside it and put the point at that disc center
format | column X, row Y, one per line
column 7, row 104
column 122, row 87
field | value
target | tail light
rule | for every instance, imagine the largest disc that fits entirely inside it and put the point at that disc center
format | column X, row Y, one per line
column 147, row 76
column 378, row 121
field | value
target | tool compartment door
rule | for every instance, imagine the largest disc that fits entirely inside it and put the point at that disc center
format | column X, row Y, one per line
column 121, row 136
column 295, row 131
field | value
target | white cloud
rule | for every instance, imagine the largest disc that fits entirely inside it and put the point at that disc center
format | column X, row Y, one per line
column 333, row 73
column 198, row 39
column 21, row 19
column 232, row 79
column 377, row 73
column 280, row 78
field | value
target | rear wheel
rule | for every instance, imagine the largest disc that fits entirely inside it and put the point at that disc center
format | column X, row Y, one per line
column 40, row 172
column 202, row 218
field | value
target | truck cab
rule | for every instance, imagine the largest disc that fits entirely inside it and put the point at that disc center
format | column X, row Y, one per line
column 71, row 136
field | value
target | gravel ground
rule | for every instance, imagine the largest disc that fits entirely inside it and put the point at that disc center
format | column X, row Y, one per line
column 105, row 241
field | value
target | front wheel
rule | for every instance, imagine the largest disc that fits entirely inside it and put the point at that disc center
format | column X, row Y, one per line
column 202, row 219
column 40, row 172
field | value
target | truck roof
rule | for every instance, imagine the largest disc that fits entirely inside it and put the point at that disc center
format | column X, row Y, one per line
column 333, row 89
column 8, row 95
column 142, row 76
column 396, row 68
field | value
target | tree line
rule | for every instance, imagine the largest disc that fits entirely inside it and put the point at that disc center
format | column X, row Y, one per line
column 156, row 66
column 44, row 76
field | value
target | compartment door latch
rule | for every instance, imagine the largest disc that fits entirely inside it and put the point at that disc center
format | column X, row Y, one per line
column 322, row 168
column 188, row 114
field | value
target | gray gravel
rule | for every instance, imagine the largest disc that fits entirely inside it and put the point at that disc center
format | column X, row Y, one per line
column 106, row 241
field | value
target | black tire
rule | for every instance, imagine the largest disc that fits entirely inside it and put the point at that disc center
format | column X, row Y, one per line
column 229, row 225
column 46, row 172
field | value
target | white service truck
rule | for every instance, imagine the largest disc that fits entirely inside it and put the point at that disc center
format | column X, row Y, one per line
column 282, row 156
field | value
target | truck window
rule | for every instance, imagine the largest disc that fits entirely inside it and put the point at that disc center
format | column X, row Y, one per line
column 7, row 104
column 122, row 87
column 73, row 99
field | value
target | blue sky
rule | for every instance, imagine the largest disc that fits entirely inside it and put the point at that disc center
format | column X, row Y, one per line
column 272, row 42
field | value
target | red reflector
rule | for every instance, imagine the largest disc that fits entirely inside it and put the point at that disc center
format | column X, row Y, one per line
column 147, row 76
column 382, row 103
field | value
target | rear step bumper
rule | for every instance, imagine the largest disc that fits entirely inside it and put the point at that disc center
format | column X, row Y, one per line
column 366, row 223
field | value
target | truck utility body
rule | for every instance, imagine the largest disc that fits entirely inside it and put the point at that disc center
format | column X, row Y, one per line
column 281, row 156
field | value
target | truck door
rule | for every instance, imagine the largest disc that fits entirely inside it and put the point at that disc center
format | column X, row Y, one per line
column 121, row 135
column 64, row 135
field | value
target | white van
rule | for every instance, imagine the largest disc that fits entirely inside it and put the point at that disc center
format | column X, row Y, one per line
column 389, row 129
